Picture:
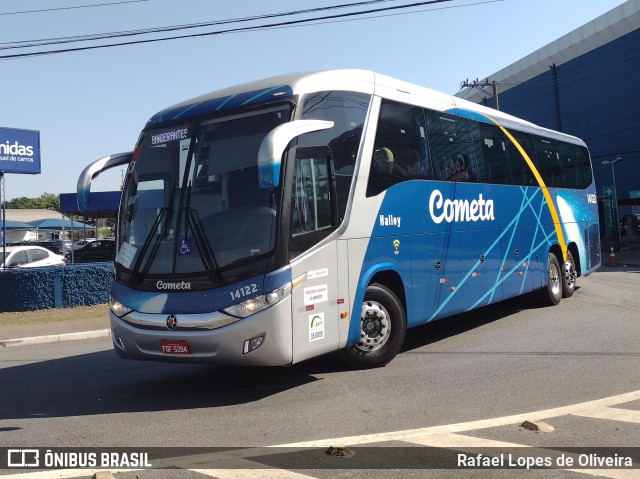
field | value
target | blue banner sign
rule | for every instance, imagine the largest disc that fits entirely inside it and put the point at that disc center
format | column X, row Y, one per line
column 19, row 151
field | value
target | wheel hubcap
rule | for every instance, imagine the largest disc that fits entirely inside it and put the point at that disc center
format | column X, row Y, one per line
column 375, row 327
column 570, row 274
column 554, row 278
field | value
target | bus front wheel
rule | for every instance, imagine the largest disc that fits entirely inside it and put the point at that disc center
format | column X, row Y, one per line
column 382, row 328
column 551, row 294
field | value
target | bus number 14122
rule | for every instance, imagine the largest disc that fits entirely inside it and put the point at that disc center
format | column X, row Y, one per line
column 244, row 291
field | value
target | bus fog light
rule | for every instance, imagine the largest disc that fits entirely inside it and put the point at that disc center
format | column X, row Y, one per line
column 118, row 341
column 252, row 344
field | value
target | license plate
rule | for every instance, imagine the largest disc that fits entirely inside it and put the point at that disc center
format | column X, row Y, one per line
column 178, row 346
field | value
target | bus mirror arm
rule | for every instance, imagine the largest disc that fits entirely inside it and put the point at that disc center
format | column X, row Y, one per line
column 274, row 144
column 93, row 170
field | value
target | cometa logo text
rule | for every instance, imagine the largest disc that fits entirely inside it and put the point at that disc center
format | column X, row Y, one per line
column 180, row 285
column 459, row 210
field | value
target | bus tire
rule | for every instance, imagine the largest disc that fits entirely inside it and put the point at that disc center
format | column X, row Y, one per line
column 569, row 281
column 551, row 294
column 383, row 325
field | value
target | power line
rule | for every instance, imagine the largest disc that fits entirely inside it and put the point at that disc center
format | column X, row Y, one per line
column 483, row 84
column 563, row 78
column 72, row 8
column 387, row 15
column 101, row 36
column 234, row 30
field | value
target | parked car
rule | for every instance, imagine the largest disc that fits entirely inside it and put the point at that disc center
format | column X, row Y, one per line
column 57, row 246
column 630, row 225
column 30, row 257
column 98, row 250
column 61, row 245
column 82, row 242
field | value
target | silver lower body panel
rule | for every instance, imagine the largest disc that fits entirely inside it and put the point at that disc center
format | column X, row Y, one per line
column 223, row 345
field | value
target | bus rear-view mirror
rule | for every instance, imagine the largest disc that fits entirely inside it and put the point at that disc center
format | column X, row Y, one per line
column 274, row 144
column 93, row 170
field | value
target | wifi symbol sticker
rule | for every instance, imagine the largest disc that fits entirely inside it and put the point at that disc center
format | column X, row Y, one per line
column 396, row 245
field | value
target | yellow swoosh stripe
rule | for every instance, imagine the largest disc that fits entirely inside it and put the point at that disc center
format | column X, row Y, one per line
column 543, row 187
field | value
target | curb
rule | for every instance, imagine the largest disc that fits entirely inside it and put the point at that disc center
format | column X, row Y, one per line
column 54, row 338
column 621, row 265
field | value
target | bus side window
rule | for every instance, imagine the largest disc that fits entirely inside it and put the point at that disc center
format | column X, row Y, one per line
column 347, row 110
column 521, row 173
column 451, row 147
column 493, row 148
column 313, row 207
column 575, row 165
column 585, row 175
column 548, row 162
column 345, row 150
column 400, row 151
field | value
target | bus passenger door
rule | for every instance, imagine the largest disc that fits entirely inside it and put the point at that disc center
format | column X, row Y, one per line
column 314, row 268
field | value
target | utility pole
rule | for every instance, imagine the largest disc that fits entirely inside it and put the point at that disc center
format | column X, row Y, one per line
column 481, row 84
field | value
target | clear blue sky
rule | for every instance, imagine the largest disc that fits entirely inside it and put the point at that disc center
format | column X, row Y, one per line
column 92, row 103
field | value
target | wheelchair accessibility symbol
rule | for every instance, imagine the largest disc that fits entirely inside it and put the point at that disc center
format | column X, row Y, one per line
column 185, row 247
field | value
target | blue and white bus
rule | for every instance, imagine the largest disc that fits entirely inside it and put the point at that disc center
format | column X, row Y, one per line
column 279, row 220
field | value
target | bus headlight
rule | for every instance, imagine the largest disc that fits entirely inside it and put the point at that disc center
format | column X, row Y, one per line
column 118, row 308
column 254, row 305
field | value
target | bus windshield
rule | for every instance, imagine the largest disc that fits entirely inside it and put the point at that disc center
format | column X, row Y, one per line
column 192, row 202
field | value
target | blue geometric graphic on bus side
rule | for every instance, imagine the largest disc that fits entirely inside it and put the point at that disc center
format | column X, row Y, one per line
column 579, row 218
column 530, row 214
column 546, row 241
column 217, row 104
column 502, row 276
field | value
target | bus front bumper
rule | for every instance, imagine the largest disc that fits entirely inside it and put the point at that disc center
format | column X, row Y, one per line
column 229, row 344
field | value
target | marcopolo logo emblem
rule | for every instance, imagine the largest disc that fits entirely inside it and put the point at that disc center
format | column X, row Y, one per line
column 172, row 322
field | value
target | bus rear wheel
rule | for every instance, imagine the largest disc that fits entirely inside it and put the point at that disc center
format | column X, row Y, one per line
column 382, row 328
column 569, row 275
column 551, row 294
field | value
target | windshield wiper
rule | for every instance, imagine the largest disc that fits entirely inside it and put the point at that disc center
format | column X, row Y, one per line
column 147, row 242
column 206, row 253
column 164, row 211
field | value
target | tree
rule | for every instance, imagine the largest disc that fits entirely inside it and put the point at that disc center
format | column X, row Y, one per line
column 46, row 201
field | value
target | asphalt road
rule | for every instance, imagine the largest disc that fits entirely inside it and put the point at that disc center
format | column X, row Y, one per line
column 508, row 359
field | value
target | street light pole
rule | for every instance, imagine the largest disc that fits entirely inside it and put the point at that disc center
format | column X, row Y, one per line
column 614, row 204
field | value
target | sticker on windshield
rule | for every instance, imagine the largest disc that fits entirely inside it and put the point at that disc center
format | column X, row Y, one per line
column 126, row 254
column 185, row 247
